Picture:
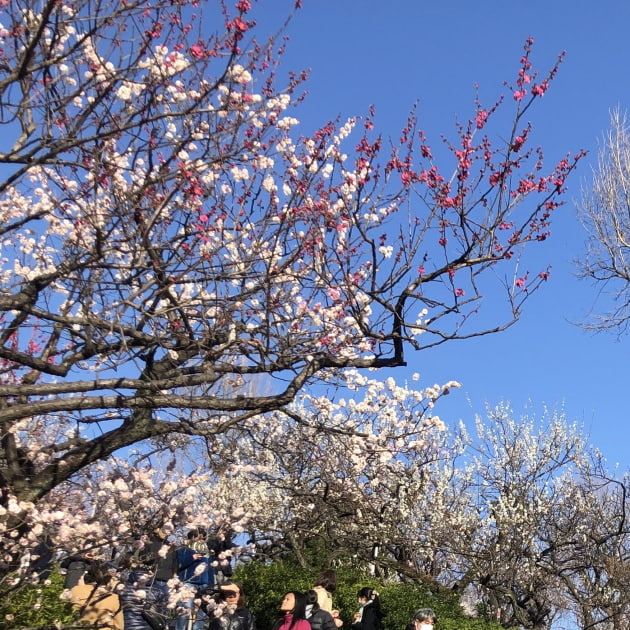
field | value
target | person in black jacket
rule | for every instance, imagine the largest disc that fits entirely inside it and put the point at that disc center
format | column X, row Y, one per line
column 319, row 618
column 370, row 612
column 164, row 564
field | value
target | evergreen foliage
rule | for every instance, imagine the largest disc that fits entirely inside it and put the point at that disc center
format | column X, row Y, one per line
column 265, row 584
column 37, row 606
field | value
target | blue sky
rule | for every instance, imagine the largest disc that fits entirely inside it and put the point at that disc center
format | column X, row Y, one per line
column 396, row 52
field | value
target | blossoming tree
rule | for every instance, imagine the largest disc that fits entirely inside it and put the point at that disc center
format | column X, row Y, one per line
column 519, row 483
column 168, row 235
column 357, row 474
column 178, row 261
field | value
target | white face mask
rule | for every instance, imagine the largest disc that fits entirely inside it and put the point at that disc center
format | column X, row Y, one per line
column 425, row 626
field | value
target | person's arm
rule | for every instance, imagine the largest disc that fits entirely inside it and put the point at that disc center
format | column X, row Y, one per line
column 186, row 557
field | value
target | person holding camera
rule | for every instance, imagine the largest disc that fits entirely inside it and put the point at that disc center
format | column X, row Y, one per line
column 230, row 612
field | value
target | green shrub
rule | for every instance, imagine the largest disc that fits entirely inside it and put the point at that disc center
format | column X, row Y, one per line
column 36, row 605
column 265, row 584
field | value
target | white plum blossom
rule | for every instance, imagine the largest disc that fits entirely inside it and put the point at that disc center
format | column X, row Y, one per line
column 239, row 74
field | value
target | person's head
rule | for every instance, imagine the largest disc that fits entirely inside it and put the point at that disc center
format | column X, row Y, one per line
column 193, row 535
column 100, row 573
column 367, row 595
column 424, row 619
column 294, row 602
column 311, row 600
column 327, row 579
column 197, row 540
column 231, row 592
column 161, row 533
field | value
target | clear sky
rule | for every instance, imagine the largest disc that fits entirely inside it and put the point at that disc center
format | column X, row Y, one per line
column 391, row 53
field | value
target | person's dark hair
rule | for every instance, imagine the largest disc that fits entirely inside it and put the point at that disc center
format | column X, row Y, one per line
column 425, row 614
column 220, row 541
column 327, row 579
column 100, row 573
column 299, row 609
column 371, row 595
column 193, row 533
column 368, row 593
column 311, row 600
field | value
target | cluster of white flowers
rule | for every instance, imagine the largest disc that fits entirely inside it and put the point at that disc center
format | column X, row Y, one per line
column 239, row 174
column 269, row 184
column 164, row 63
column 129, row 90
column 239, row 74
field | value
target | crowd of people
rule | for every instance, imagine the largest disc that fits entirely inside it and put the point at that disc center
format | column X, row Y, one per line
column 206, row 598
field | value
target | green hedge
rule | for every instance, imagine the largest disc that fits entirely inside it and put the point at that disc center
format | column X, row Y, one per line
column 265, row 584
column 36, row 606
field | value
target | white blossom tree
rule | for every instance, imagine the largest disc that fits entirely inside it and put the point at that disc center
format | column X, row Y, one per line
column 354, row 473
column 518, row 484
column 524, row 518
column 590, row 546
column 605, row 213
